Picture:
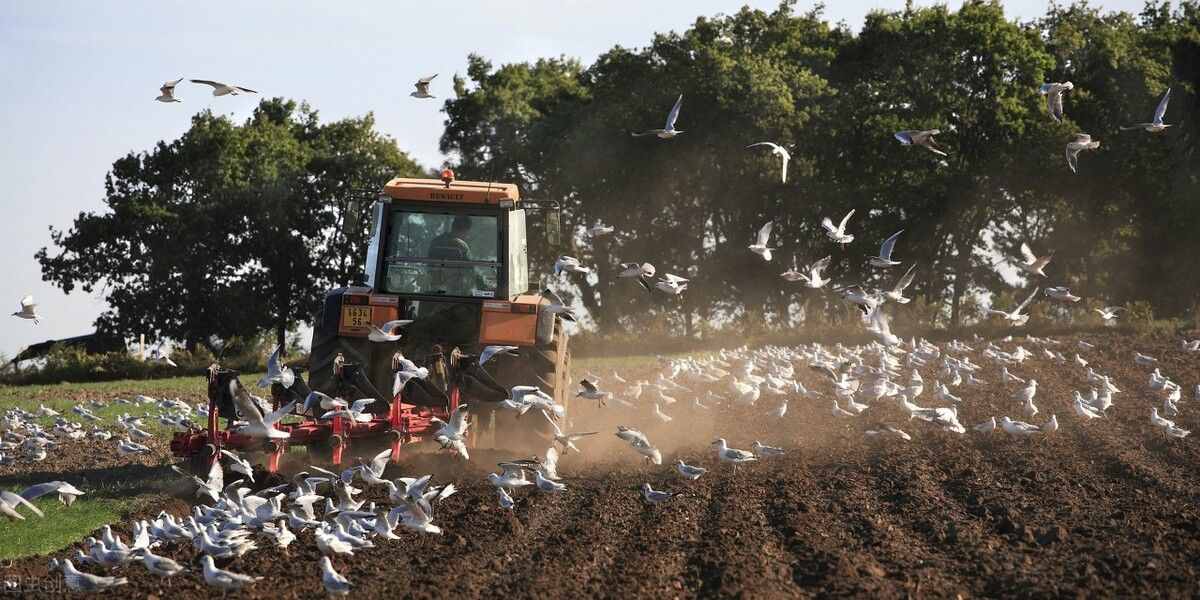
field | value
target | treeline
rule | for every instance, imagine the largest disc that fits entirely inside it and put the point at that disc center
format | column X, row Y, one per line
column 1122, row 229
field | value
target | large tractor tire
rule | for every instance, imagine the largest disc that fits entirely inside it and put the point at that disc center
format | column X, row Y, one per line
column 546, row 367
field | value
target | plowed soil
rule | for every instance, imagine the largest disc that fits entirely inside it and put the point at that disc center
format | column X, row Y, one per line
column 1106, row 508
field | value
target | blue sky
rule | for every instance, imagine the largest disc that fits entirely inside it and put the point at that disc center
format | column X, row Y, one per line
column 82, row 77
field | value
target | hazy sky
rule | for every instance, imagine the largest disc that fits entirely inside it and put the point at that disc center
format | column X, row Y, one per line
column 82, row 78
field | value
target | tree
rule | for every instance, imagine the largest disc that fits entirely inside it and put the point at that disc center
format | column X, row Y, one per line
column 229, row 230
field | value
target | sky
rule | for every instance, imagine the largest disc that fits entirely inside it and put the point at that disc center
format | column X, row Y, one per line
column 82, row 77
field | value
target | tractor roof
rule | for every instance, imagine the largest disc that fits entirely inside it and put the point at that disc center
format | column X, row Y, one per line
column 466, row 192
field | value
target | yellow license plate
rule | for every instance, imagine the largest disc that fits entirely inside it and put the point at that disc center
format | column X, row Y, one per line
column 356, row 317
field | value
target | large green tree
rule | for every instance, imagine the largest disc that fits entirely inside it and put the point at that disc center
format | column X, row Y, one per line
column 231, row 229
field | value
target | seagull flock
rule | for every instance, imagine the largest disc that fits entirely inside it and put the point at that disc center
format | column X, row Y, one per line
column 867, row 383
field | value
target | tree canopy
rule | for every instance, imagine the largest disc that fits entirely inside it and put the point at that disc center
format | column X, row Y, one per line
column 231, row 229
column 1119, row 228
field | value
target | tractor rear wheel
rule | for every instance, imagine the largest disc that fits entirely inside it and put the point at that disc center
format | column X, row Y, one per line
column 542, row 366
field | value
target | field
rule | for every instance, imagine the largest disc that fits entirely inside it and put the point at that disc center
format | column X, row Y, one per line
column 1100, row 508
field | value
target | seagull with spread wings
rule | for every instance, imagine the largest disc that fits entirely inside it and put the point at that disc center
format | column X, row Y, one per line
column 1054, row 95
column 422, row 86
column 669, row 131
column 779, row 151
column 1156, row 124
column 1015, row 317
column 223, row 89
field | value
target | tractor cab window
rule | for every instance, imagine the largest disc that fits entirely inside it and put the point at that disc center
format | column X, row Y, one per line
column 442, row 254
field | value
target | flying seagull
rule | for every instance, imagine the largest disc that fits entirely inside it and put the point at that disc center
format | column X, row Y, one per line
column 670, row 131
column 1015, row 317
column 759, row 246
column 1156, row 125
column 1053, row 93
column 422, row 86
column 1032, row 264
column 167, row 91
column 884, row 259
column 1081, row 142
column 777, row 150
column 838, row 234
column 223, row 89
column 28, row 310
column 1110, row 312
column 896, row 294
column 813, row 278
column 918, row 137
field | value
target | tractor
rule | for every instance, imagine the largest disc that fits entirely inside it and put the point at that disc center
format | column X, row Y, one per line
column 446, row 276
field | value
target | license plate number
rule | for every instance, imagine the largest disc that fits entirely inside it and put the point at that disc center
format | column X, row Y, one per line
column 356, row 317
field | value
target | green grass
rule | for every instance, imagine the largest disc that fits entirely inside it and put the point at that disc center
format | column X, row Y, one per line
column 61, row 527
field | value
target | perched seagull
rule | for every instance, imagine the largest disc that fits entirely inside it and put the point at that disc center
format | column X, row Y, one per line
column 223, row 89
column 1030, row 263
column 762, row 450
column 919, row 137
column 1168, row 426
column 732, row 455
column 654, row 496
column 987, row 426
column 779, row 151
column 838, row 235
column 1109, row 313
column 1054, row 93
column 167, row 91
column 569, row 264
column 422, row 86
column 225, row 580
column 1156, row 125
column 688, row 471
column 884, row 259
column 1061, row 294
column 1081, row 142
column 335, row 584
column 1086, row 411
column 158, row 565
column 669, row 131
column 1015, row 317
column 896, row 294
column 1144, row 360
column 78, row 581
column 28, row 310
column 1012, row 427
column 760, row 246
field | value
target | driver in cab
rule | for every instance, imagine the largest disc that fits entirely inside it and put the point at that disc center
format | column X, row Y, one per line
column 451, row 245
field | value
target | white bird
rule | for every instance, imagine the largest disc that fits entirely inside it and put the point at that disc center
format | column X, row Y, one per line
column 760, row 246
column 422, row 86
column 1052, row 425
column 237, row 464
column 66, row 492
column 838, row 234
column 1025, row 395
column 28, row 310
column 569, row 264
column 277, row 372
column 762, row 450
column 1016, row 317
column 547, row 485
column 390, row 331
column 335, row 584
column 590, row 391
column 257, row 424
column 732, row 455
column 600, row 230
column 1081, row 141
column 223, row 89
column 506, row 501
column 885, row 429
column 9, row 502
column 919, row 137
column 78, row 581
column 671, row 284
column 1085, row 411
column 1144, row 360
column 669, row 131
column 1031, row 264
column 158, row 565
column 1109, row 313
column 654, row 496
column 884, row 259
column 1054, row 93
column 987, row 426
column 225, row 580
column 688, row 471
column 567, row 440
column 1012, row 427
column 896, row 294
column 167, row 91
column 660, row 415
column 1168, row 426
column 1062, row 294
column 779, row 151
column 127, row 447
column 1156, row 124
column 811, row 276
